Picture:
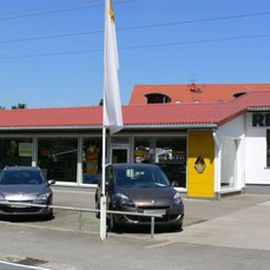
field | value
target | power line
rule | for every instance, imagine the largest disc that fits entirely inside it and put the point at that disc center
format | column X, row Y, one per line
column 51, row 36
column 51, row 54
column 138, row 27
column 56, row 11
column 203, row 20
column 169, row 44
column 156, row 45
column 47, row 8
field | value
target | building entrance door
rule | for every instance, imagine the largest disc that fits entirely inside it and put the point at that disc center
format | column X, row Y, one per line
column 229, row 164
column 120, row 154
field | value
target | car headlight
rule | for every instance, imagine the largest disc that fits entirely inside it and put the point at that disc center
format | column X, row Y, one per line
column 177, row 198
column 122, row 199
column 43, row 196
column 2, row 198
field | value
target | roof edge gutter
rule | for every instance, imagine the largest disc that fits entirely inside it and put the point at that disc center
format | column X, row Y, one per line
column 49, row 128
column 258, row 109
column 96, row 127
column 185, row 126
column 216, row 139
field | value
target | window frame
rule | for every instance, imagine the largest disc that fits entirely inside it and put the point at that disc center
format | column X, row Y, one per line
column 268, row 148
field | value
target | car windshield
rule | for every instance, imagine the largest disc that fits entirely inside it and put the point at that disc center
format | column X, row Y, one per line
column 20, row 177
column 140, row 177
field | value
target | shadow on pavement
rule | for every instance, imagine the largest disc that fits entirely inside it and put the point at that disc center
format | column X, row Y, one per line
column 144, row 229
column 24, row 219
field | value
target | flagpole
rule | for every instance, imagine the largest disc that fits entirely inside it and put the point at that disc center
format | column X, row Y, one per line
column 103, row 200
column 112, row 110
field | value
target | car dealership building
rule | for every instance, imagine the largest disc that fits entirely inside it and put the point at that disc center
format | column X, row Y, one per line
column 208, row 139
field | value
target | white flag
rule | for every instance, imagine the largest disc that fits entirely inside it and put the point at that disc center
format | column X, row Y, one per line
column 112, row 110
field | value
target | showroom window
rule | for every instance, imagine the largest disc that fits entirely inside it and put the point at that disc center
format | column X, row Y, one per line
column 167, row 152
column 15, row 151
column 268, row 148
column 171, row 157
column 92, row 158
column 57, row 157
column 144, row 150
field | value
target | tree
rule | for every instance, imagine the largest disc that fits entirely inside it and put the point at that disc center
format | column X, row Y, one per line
column 2, row 108
column 19, row 106
column 100, row 102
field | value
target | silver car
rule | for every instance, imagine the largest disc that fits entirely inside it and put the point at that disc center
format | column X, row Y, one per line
column 24, row 185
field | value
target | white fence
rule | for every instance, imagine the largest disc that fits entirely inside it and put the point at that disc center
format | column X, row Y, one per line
column 87, row 210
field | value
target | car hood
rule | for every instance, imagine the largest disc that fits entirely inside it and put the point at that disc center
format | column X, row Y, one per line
column 149, row 197
column 22, row 192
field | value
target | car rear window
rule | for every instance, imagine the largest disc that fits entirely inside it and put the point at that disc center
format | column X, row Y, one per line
column 141, row 177
column 21, row 177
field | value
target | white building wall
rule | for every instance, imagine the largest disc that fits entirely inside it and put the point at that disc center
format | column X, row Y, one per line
column 235, row 129
column 255, row 162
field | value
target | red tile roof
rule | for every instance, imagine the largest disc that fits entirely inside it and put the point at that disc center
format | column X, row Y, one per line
column 188, row 93
column 260, row 99
column 184, row 115
column 180, row 114
column 77, row 116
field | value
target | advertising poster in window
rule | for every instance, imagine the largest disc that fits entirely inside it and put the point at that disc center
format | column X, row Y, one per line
column 25, row 149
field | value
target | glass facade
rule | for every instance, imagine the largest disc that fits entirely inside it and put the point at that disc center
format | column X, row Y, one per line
column 15, row 151
column 167, row 152
column 171, row 157
column 57, row 157
column 92, row 158
column 119, row 155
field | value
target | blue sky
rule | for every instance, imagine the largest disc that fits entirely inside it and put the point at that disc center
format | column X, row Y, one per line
column 76, row 79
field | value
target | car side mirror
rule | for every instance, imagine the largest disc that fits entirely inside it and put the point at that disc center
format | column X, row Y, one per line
column 51, row 182
column 107, row 183
column 174, row 184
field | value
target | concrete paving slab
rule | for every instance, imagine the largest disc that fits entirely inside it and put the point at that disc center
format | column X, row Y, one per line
column 196, row 212
column 225, row 234
column 247, row 229
column 80, row 251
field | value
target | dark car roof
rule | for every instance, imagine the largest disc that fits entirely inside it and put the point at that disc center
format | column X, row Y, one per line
column 134, row 165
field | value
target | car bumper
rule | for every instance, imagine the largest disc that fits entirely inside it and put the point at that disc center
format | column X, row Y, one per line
column 22, row 210
column 172, row 217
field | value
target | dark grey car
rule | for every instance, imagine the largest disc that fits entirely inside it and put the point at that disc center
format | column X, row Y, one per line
column 141, row 188
column 24, row 185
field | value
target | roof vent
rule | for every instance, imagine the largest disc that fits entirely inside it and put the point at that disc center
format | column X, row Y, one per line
column 194, row 88
column 155, row 98
column 237, row 95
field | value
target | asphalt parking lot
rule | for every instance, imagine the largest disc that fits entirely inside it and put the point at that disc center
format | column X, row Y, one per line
column 196, row 211
column 236, row 227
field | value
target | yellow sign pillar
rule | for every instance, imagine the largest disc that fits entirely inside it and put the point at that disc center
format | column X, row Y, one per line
column 201, row 169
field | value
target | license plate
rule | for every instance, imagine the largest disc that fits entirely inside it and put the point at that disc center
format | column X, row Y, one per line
column 160, row 212
column 18, row 206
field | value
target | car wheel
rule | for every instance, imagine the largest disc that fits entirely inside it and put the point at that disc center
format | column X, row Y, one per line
column 178, row 227
column 97, row 207
column 112, row 226
column 50, row 215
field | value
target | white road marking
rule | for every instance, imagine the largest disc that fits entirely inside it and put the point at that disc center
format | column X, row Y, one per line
column 164, row 244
